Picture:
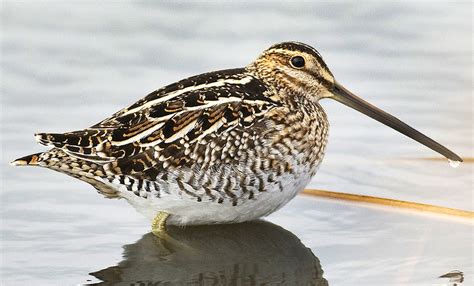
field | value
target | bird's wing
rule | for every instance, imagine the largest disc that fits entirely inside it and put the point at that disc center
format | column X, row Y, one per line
column 135, row 138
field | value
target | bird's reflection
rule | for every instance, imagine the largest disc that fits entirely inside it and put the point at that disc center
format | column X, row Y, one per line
column 254, row 253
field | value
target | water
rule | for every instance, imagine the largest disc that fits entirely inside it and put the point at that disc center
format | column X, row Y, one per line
column 239, row 254
column 454, row 164
column 65, row 67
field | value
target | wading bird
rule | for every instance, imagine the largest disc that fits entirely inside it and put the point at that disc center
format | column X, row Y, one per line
column 221, row 147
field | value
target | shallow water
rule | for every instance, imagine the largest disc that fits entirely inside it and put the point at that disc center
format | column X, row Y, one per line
column 65, row 67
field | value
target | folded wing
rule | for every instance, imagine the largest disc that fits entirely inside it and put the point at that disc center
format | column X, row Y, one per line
column 163, row 126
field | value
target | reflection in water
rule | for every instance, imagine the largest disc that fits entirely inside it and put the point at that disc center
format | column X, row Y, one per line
column 253, row 253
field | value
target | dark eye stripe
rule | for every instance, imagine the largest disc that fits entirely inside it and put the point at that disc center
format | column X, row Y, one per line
column 297, row 62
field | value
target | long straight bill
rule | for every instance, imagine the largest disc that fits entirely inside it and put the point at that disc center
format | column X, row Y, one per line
column 346, row 97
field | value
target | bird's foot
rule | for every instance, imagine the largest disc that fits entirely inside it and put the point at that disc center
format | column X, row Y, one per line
column 158, row 224
column 158, row 228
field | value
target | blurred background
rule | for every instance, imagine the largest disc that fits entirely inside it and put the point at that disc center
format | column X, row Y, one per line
column 66, row 66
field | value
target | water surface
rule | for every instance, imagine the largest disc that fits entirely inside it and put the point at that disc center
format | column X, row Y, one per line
column 65, row 67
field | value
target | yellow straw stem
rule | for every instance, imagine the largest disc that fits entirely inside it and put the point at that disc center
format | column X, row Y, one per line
column 389, row 202
column 468, row 160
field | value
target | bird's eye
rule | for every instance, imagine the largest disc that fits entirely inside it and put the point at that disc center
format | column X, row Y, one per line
column 297, row 62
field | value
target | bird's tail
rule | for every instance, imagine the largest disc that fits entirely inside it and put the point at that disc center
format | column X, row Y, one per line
column 30, row 160
column 57, row 160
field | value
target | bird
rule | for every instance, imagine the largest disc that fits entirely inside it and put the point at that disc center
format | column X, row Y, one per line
column 221, row 147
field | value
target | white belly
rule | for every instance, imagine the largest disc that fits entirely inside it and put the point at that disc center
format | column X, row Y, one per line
column 184, row 211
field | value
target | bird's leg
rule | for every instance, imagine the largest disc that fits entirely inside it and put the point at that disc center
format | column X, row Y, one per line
column 158, row 228
column 158, row 224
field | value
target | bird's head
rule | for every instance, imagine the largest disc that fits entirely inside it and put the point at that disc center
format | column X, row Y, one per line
column 297, row 71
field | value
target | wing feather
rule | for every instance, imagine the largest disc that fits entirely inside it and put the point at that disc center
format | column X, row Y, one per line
column 159, row 128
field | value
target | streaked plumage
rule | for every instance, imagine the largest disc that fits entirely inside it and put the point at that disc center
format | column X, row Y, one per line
column 221, row 147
